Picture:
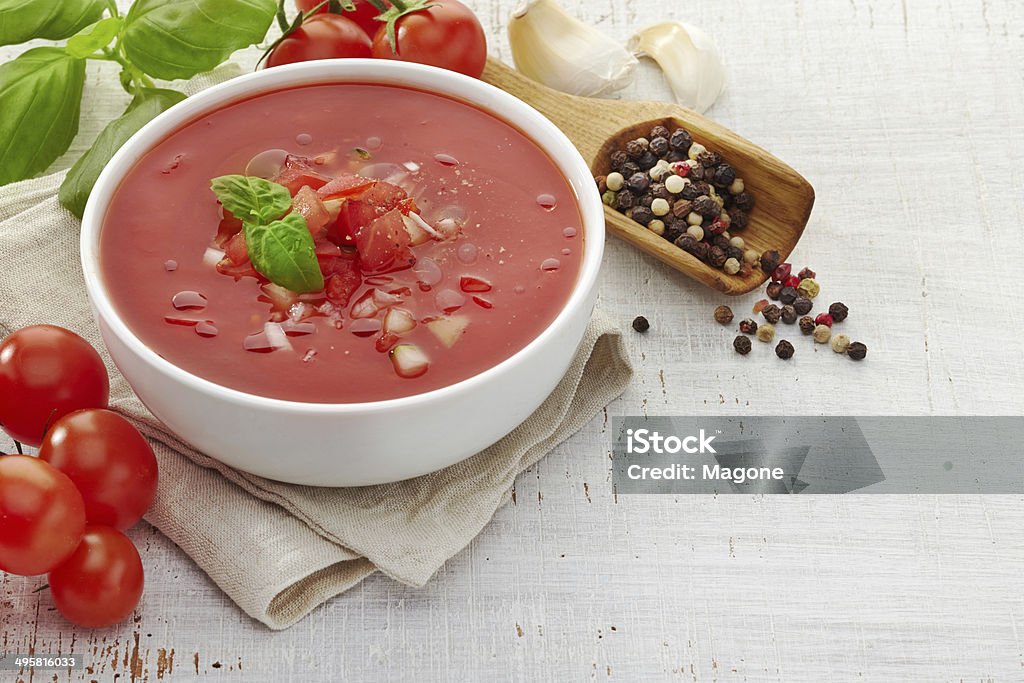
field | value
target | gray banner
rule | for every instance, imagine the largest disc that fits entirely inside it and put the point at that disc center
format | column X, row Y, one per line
column 821, row 455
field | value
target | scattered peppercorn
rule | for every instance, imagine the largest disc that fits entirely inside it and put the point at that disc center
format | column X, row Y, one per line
column 744, row 201
column 659, row 146
column 803, row 305
column 748, row 326
column 706, row 206
column 822, row 333
column 769, row 260
column 789, row 315
column 773, row 290
column 838, row 311
column 781, row 272
column 784, row 350
column 807, row 324
column 857, row 351
column 791, row 281
column 741, row 344
column 823, row 319
column 723, row 315
column 809, row 288
column 641, row 324
column 840, row 343
column 636, row 148
column 771, row 313
column 807, row 273
column 787, row 295
column 766, row 332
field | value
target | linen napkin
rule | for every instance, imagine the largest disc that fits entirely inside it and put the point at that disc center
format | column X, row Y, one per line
column 280, row 550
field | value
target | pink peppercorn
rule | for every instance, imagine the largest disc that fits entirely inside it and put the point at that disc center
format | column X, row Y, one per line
column 791, row 281
column 681, row 168
column 823, row 319
column 717, row 227
column 782, row 272
column 807, row 273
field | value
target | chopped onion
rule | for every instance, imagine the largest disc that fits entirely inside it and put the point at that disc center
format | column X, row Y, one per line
column 398, row 321
column 365, row 306
column 412, row 166
column 409, row 361
column 426, row 227
column 382, row 298
column 212, row 256
column 449, row 328
column 277, row 337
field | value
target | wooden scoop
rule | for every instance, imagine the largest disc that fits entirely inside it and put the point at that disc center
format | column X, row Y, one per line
column 783, row 198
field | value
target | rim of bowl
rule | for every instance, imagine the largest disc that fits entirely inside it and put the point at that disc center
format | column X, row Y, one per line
column 485, row 96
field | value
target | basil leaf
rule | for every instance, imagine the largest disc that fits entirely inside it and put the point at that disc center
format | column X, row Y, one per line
column 23, row 20
column 251, row 199
column 41, row 92
column 180, row 38
column 93, row 37
column 283, row 252
column 74, row 191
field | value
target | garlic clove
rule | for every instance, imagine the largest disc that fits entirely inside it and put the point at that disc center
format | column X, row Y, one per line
column 690, row 59
column 555, row 48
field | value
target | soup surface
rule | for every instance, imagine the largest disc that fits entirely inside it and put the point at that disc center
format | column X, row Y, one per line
column 482, row 244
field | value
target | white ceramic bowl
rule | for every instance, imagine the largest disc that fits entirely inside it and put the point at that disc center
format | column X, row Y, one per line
column 357, row 443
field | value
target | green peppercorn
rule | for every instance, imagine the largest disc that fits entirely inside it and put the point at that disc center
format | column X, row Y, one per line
column 609, row 198
column 808, row 288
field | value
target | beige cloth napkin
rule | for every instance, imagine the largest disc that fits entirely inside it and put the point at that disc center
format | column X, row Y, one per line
column 281, row 550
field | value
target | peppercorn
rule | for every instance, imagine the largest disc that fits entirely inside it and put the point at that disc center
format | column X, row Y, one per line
column 789, row 315
column 744, row 201
column 618, row 158
column 674, row 156
column 748, row 326
column 739, row 217
column 807, row 273
column 624, row 200
column 638, row 183
column 787, row 295
column 696, row 232
column 731, row 266
column 760, row 306
column 680, row 139
column 737, row 186
column 716, row 227
column 629, row 168
column 720, row 241
column 657, row 227
column 659, row 192
column 772, row 313
column 641, row 214
column 675, row 184
column 746, row 270
column 700, row 250
column 750, row 257
column 770, row 261
column 822, row 333
column 723, row 315
column 682, row 208
column 609, row 198
column 840, row 343
column 706, row 206
column 791, row 281
column 735, row 253
column 691, row 191
column 659, row 146
column 766, row 332
column 659, row 131
column 781, row 272
column 741, row 344
column 645, row 200
column 660, row 207
column 647, row 161
column 773, row 290
column 724, row 175
column 807, row 324
column 716, row 256
column 636, row 148
column 857, row 351
column 615, row 181
column 709, row 158
column 684, row 241
column 823, row 319
column 803, row 305
column 809, row 288
column 784, row 350
column 641, row 324
column 602, row 183
column 673, row 230
column 737, row 242
column 838, row 311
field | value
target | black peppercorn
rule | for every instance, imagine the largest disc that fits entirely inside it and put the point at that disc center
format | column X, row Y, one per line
column 680, row 140
column 638, row 183
column 706, row 206
column 771, row 313
column 629, row 168
column 723, row 315
column 636, row 148
column 673, row 231
column 807, row 324
column 645, row 200
column 770, row 260
column 748, row 326
column 789, row 315
column 708, row 159
column 838, row 311
column 682, row 208
column 724, row 175
column 673, row 156
column 624, row 200
column 784, row 350
column 720, row 241
column 659, row 131
column 740, row 219
column 803, row 305
column 618, row 158
column 697, row 173
column 659, row 146
column 641, row 324
column 773, row 290
column 787, row 295
column 660, row 192
column 700, row 250
column 647, row 161
column 690, row 191
column 735, row 252
column 741, row 344
column 744, row 200
column 642, row 215
column 684, row 241
column 716, row 257
column 857, row 351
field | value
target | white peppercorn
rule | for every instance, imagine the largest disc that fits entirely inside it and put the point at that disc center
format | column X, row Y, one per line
column 766, row 332
column 696, row 232
column 694, row 218
column 822, row 333
column 750, row 256
column 657, row 172
column 696, row 149
column 731, row 267
column 660, row 207
column 737, row 242
column 737, row 186
column 673, row 183
column 615, row 181
column 840, row 343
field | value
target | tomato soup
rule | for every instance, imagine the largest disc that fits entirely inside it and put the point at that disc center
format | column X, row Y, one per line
column 441, row 241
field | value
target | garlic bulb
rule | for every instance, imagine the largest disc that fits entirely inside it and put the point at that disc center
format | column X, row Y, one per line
column 689, row 58
column 556, row 49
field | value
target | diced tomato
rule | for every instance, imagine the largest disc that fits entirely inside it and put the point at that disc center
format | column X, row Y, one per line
column 373, row 203
column 228, row 228
column 346, row 185
column 235, row 250
column 383, row 244
column 309, row 205
column 342, row 277
column 225, row 267
column 299, row 171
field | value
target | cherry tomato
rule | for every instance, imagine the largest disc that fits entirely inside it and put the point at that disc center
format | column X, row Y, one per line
column 101, row 583
column 42, row 516
column 47, row 372
column 445, row 34
column 108, row 460
column 325, row 36
column 364, row 14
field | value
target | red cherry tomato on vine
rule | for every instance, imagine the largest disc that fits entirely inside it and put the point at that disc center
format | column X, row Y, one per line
column 42, row 516
column 47, row 372
column 108, row 460
column 445, row 34
column 364, row 14
column 101, row 583
column 324, row 36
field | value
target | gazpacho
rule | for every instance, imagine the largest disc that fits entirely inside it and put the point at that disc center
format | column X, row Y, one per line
column 341, row 243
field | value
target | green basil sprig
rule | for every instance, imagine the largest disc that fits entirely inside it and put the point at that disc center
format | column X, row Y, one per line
column 23, row 20
column 280, row 248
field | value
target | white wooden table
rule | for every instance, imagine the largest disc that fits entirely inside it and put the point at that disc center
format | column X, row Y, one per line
column 908, row 118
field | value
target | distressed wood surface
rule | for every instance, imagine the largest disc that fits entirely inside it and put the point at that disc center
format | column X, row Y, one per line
column 908, row 119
